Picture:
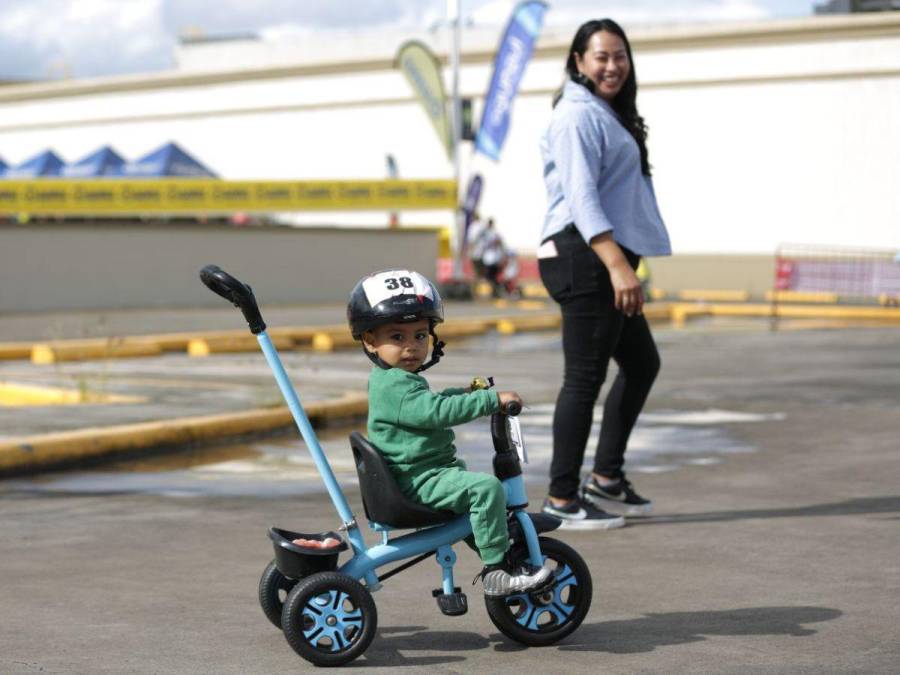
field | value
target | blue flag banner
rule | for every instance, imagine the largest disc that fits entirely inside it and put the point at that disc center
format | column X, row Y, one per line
column 470, row 206
column 515, row 49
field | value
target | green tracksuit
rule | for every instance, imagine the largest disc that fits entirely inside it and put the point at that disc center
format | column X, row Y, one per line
column 410, row 425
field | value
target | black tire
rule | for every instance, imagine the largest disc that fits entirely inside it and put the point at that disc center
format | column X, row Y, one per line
column 273, row 589
column 543, row 620
column 329, row 618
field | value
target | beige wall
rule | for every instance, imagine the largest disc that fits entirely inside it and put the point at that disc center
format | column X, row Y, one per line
column 116, row 266
column 752, row 273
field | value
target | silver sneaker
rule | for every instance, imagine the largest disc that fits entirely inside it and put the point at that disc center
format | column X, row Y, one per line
column 497, row 581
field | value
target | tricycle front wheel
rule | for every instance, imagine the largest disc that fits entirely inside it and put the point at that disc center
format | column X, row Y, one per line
column 543, row 618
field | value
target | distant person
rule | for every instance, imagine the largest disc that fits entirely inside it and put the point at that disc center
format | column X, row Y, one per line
column 602, row 217
column 488, row 254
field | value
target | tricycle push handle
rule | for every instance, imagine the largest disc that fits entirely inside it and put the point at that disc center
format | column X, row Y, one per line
column 236, row 292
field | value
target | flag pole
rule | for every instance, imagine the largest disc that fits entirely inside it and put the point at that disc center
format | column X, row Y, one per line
column 456, row 118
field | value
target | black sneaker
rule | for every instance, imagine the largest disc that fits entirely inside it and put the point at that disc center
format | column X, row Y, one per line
column 581, row 515
column 499, row 581
column 619, row 497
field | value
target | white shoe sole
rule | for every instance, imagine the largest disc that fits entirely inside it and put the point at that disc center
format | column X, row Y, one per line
column 619, row 508
column 590, row 524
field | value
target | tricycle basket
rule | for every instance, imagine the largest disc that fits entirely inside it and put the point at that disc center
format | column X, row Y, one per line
column 295, row 561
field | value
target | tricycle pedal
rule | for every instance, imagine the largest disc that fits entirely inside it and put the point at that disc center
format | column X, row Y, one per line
column 451, row 604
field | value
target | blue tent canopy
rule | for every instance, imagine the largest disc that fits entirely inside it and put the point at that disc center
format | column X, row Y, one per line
column 169, row 160
column 46, row 163
column 102, row 162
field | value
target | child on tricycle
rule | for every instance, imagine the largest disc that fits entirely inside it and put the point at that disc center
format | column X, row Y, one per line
column 410, row 424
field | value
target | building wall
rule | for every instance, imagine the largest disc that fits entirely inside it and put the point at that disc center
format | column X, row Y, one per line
column 134, row 266
column 760, row 134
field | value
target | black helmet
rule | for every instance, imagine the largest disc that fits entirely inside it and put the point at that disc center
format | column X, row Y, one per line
column 392, row 296
column 395, row 296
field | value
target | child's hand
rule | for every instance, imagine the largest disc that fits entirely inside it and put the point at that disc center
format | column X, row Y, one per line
column 508, row 397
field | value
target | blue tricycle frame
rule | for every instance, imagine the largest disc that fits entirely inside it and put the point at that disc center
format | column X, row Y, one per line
column 326, row 611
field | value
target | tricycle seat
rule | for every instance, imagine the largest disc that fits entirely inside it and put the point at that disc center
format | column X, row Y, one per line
column 383, row 501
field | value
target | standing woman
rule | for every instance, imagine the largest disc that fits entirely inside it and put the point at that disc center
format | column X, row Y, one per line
column 601, row 218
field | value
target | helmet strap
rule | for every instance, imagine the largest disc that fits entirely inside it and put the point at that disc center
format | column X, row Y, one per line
column 374, row 358
column 436, row 352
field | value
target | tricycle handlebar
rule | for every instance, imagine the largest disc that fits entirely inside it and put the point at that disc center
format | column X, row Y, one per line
column 512, row 408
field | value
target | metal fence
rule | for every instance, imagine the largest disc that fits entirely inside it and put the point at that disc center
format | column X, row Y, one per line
column 850, row 273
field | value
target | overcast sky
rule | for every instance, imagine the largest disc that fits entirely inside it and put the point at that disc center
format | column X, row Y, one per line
column 87, row 38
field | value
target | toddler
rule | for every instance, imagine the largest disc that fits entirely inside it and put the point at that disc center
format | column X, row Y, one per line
column 393, row 314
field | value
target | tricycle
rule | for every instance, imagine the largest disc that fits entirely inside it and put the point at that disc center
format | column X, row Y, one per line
column 325, row 607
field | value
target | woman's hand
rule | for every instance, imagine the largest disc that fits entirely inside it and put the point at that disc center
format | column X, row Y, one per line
column 629, row 294
column 508, row 397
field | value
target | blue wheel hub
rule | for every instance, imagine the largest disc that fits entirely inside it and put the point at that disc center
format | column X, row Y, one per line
column 331, row 621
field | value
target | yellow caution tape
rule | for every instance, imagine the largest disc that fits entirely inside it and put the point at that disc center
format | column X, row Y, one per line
column 54, row 196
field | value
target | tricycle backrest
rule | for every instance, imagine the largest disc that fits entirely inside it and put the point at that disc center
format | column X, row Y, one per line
column 383, row 501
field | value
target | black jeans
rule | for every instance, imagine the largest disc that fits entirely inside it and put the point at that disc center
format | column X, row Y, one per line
column 593, row 332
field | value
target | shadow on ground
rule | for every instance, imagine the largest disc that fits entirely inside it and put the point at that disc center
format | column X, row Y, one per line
column 676, row 628
column 394, row 644
column 850, row 507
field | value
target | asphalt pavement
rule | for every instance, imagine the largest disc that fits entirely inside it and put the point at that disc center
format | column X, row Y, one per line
column 772, row 458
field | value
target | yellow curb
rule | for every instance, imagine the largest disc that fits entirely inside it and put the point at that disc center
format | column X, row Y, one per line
column 655, row 312
column 657, row 294
column 681, row 312
column 100, row 348
column 463, row 327
column 16, row 395
column 714, row 296
column 33, row 452
column 801, row 296
column 516, row 324
column 811, row 311
column 336, row 336
column 230, row 345
column 178, row 342
column 483, row 289
column 303, row 335
column 15, row 350
column 534, row 289
column 328, row 341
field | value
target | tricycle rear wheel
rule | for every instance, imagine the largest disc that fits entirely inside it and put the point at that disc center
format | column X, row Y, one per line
column 273, row 590
column 329, row 618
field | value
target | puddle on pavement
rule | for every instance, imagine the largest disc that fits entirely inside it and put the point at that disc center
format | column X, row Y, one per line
column 663, row 441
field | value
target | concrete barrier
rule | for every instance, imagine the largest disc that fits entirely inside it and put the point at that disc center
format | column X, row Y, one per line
column 116, row 265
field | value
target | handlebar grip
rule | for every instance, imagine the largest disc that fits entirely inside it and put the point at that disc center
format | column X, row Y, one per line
column 236, row 292
column 512, row 408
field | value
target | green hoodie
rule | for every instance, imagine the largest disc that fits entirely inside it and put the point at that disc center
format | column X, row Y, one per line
column 410, row 424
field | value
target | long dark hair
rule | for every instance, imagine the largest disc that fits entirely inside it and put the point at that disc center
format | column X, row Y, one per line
column 625, row 102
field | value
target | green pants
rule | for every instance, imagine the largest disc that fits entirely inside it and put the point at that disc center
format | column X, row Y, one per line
column 481, row 495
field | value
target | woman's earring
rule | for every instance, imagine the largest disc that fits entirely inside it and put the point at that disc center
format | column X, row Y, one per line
column 584, row 81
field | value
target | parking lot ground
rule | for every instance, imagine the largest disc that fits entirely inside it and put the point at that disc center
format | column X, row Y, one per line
column 774, row 550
